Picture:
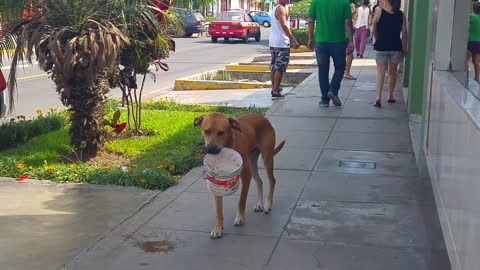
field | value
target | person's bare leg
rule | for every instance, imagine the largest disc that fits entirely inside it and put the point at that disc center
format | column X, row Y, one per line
column 469, row 56
column 276, row 82
column 476, row 66
column 381, row 69
column 392, row 80
column 349, row 66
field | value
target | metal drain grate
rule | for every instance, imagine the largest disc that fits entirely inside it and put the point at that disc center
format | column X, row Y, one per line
column 357, row 164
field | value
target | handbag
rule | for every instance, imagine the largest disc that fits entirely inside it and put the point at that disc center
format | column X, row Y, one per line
column 3, row 82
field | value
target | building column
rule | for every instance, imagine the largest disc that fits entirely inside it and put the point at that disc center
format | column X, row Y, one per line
column 419, row 54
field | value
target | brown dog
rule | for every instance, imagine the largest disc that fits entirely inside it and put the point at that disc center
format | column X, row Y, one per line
column 249, row 135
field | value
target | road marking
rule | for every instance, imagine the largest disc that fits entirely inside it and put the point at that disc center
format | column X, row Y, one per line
column 192, row 48
column 32, row 77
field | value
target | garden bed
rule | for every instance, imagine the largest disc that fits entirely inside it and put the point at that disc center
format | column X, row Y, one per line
column 233, row 79
column 155, row 161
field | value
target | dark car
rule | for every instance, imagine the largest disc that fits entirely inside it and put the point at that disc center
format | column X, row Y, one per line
column 192, row 23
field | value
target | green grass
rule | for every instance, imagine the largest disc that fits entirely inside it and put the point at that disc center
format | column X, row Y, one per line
column 154, row 161
column 221, row 75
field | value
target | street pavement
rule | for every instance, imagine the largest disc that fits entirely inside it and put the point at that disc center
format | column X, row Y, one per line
column 193, row 55
column 348, row 196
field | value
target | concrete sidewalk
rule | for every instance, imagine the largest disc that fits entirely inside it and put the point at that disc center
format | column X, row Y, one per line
column 348, row 197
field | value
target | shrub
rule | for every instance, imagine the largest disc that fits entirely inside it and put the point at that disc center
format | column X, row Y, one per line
column 21, row 131
column 301, row 35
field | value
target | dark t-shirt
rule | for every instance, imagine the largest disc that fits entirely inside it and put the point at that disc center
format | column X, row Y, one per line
column 389, row 28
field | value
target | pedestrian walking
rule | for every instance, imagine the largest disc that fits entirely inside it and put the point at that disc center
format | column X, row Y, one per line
column 281, row 38
column 348, row 75
column 328, row 39
column 361, row 27
column 390, row 30
column 473, row 49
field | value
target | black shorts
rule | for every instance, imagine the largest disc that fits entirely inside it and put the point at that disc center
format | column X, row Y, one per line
column 474, row 47
column 280, row 58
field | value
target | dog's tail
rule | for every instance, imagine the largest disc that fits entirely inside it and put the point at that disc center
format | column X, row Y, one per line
column 279, row 147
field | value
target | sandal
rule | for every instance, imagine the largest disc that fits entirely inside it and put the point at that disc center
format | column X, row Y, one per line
column 391, row 101
column 351, row 78
column 377, row 104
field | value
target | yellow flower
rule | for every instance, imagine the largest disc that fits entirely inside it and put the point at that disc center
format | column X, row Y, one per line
column 176, row 178
column 50, row 168
column 184, row 142
column 142, row 181
column 161, row 167
column 40, row 112
column 171, row 168
column 99, row 153
column 73, row 166
column 134, row 165
column 20, row 166
column 150, row 101
column 52, row 110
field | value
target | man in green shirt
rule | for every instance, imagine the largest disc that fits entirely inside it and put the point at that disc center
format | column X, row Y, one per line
column 333, row 18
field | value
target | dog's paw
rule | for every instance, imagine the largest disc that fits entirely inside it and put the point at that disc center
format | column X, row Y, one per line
column 258, row 207
column 268, row 207
column 216, row 233
column 239, row 220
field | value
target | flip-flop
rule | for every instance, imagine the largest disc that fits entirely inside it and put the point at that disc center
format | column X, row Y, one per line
column 391, row 101
column 377, row 104
column 349, row 78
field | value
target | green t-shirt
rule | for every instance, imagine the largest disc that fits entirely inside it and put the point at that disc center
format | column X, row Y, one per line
column 330, row 16
column 474, row 32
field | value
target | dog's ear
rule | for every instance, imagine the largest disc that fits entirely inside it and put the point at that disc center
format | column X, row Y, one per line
column 198, row 121
column 235, row 125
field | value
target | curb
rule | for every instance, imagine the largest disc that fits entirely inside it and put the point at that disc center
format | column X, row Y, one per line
column 300, row 50
column 263, row 68
column 187, row 84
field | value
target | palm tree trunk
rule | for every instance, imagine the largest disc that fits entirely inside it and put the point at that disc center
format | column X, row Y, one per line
column 87, row 112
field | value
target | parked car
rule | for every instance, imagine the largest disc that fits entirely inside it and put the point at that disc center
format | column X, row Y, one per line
column 3, row 104
column 234, row 24
column 261, row 17
column 3, row 85
column 192, row 23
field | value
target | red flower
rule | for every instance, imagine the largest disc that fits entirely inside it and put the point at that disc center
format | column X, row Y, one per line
column 120, row 127
column 21, row 178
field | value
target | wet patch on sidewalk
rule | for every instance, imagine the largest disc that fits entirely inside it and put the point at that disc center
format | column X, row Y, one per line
column 163, row 246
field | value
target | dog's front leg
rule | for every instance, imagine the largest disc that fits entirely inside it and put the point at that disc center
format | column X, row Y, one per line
column 242, row 203
column 218, row 229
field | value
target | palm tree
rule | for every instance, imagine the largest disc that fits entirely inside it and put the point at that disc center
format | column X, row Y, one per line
column 79, row 42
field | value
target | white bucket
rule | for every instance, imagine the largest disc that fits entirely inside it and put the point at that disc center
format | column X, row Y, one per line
column 222, row 172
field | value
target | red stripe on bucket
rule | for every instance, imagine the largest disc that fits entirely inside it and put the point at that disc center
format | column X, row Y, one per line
column 230, row 183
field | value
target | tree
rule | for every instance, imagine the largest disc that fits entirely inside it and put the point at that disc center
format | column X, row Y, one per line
column 79, row 42
column 300, row 9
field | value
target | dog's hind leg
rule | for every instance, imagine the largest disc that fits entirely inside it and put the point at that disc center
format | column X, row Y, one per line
column 254, row 163
column 268, row 163
column 242, row 203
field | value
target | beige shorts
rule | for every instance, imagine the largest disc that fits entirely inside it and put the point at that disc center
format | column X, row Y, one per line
column 388, row 57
